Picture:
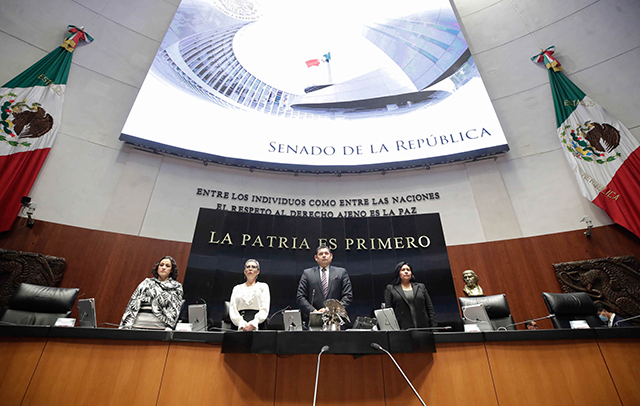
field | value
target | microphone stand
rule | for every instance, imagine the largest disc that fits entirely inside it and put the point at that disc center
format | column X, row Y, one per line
column 429, row 328
column 504, row 328
column 378, row 347
column 315, row 390
column 222, row 329
column 279, row 311
column 464, row 316
column 305, row 325
column 627, row 319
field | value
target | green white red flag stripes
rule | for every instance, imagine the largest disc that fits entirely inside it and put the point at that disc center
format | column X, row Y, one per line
column 30, row 111
column 601, row 151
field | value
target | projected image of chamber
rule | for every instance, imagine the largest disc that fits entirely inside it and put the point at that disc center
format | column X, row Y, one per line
column 318, row 86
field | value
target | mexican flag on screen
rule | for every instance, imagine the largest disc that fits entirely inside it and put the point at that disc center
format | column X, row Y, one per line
column 602, row 152
column 30, row 111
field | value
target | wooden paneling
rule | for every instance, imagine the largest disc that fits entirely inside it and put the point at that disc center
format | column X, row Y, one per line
column 623, row 360
column 98, row 372
column 343, row 380
column 18, row 360
column 545, row 373
column 199, row 374
column 110, row 372
column 458, row 374
column 109, row 266
column 523, row 268
column 105, row 266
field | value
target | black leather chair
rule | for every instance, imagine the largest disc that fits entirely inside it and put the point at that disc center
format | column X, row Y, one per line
column 571, row 306
column 39, row 305
column 226, row 320
column 497, row 309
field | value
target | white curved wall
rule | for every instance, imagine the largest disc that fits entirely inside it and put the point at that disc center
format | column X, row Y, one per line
column 92, row 180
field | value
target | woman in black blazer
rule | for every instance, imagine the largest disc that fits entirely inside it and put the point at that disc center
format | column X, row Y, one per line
column 409, row 300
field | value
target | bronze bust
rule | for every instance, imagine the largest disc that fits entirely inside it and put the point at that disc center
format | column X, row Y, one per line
column 471, row 280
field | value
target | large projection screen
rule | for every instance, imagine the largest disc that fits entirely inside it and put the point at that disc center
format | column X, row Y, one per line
column 317, row 86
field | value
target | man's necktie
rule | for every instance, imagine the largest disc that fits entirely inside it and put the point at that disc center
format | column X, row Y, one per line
column 325, row 282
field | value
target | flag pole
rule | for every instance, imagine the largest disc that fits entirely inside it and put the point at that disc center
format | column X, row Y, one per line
column 602, row 152
column 327, row 58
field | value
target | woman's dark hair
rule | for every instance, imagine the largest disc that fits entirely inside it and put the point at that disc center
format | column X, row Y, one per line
column 174, row 268
column 396, row 273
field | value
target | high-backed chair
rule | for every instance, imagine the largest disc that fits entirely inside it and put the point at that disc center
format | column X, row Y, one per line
column 571, row 306
column 497, row 309
column 39, row 305
column 226, row 320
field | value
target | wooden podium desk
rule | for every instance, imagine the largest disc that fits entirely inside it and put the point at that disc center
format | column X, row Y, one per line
column 79, row 366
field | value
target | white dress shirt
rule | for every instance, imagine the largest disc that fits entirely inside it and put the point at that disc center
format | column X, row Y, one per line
column 254, row 297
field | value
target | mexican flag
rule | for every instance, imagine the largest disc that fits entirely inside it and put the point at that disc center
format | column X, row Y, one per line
column 30, row 111
column 602, row 152
column 316, row 62
column 313, row 62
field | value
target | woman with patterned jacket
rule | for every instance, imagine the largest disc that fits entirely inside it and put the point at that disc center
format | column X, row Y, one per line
column 156, row 302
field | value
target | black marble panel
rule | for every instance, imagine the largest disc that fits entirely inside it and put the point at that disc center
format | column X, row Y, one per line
column 369, row 248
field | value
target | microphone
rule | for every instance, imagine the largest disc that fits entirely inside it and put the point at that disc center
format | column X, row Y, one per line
column 627, row 319
column 378, row 347
column 315, row 390
column 222, row 329
column 429, row 328
column 108, row 324
column 279, row 311
column 504, row 328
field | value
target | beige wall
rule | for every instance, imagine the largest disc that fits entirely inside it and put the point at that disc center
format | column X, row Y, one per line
column 92, row 180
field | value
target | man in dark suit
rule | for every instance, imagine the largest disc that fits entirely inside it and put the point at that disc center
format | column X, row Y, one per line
column 610, row 318
column 323, row 282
